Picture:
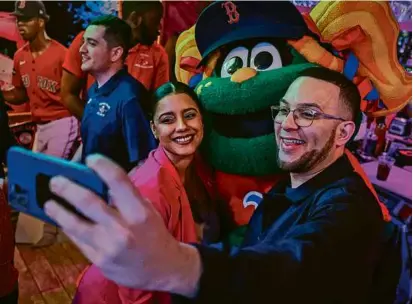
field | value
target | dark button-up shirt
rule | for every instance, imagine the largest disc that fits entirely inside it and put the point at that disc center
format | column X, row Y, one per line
column 318, row 243
column 114, row 124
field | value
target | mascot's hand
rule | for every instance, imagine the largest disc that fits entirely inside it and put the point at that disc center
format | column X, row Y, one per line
column 187, row 56
column 369, row 30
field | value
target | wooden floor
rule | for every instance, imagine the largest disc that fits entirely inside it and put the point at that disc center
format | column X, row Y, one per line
column 48, row 275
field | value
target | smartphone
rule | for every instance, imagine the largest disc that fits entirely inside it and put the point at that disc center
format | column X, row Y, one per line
column 29, row 174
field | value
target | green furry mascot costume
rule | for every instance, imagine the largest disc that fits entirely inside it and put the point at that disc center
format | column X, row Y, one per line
column 241, row 58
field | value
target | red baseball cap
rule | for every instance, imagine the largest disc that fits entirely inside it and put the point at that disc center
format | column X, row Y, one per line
column 30, row 9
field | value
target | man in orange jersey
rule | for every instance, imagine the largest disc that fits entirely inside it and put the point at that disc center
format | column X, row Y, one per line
column 36, row 77
column 147, row 61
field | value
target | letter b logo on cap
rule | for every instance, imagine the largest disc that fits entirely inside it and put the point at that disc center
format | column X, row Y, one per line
column 231, row 11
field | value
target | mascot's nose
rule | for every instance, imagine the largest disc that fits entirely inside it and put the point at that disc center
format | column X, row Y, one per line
column 243, row 74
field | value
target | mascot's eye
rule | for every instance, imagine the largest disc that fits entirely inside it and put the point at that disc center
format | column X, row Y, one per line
column 235, row 60
column 233, row 65
column 264, row 57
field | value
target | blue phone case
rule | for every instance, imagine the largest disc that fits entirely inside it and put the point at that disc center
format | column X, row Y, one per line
column 29, row 174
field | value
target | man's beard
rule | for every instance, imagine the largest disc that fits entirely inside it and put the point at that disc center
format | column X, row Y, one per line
column 310, row 159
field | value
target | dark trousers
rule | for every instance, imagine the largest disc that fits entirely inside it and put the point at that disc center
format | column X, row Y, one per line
column 11, row 298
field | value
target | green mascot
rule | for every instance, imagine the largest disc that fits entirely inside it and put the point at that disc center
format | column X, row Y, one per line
column 241, row 58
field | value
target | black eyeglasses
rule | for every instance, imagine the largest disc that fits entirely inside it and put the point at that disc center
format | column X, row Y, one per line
column 303, row 116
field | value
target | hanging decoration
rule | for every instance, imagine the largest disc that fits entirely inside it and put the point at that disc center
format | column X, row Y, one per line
column 402, row 9
column 92, row 9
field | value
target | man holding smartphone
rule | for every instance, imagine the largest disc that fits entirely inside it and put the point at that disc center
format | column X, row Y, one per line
column 113, row 122
column 316, row 237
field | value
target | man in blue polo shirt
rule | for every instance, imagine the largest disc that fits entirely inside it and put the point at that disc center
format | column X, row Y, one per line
column 113, row 123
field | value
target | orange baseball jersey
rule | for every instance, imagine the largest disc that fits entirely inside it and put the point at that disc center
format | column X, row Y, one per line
column 147, row 64
column 40, row 77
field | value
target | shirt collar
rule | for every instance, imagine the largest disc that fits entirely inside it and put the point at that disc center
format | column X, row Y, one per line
column 203, row 171
column 111, row 84
column 336, row 171
column 162, row 159
column 139, row 48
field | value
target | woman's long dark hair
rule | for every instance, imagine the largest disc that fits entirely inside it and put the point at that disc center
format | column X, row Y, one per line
column 172, row 88
column 201, row 202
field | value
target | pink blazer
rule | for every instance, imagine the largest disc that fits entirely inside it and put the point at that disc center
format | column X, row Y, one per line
column 158, row 180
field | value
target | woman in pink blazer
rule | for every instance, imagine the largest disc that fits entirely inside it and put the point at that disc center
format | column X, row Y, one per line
column 176, row 181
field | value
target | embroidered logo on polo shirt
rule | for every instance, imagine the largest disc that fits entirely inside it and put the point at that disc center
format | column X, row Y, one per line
column 21, row 62
column 143, row 62
column 103, row 109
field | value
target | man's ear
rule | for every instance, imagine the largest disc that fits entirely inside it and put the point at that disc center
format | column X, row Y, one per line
column 42, row 23
column 117, row 53
column 344, row 132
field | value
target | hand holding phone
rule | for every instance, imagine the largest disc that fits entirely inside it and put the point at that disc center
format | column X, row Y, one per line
column 29, row 174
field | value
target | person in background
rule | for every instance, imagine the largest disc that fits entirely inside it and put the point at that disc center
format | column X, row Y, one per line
column 9, row 275
column 113, row 123
column 147, row 61
column 37, row 75
column 173, row 178
column 179, row 16
column 314, row 238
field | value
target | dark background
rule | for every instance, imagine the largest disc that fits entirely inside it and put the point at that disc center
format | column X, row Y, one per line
column 65, row 23
column 62, row 25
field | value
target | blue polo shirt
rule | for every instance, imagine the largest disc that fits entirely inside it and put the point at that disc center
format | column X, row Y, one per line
column 113, row 122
